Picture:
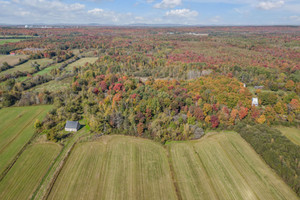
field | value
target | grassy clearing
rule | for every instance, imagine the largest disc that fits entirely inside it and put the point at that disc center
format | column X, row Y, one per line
column 26, row 67
column 11, row 60
column 27, row 172
column 115, row 167
column 16, row 129
column 224, row 166
column 53, row 85
column 4, row 41
column 291, row 133
column 81, row 62
column 48, row 69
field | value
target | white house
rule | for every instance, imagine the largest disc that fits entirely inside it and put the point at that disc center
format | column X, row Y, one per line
column 72, row 126
column 255, row 101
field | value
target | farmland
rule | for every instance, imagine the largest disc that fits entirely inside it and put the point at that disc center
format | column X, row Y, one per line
column 26, row 67
column 53, row 85
column 224, row 166
column 9, row 41
column 291, row 133
column 81, row 62
column 219, row 166
column 115, row 167
column 169, row 85
column 11, row 60
column 16, row 129
column 28, row 171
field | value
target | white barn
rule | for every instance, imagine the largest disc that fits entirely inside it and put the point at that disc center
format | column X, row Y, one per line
column 255, row 101
column 72, row 126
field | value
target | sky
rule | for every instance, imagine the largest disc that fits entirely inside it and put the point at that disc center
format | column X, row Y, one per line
column 124, row 12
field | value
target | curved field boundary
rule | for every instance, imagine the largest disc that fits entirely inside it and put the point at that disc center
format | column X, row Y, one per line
column 224, row 166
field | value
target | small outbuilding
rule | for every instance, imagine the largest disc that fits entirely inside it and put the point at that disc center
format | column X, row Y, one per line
column 72, row 126
column 255, row 101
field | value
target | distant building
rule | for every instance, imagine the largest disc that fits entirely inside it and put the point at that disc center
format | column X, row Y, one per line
column 258, row 87
column 12, row 54
column 72, row 126
column 255, row 101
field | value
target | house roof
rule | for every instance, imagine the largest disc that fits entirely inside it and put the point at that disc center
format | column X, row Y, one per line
column 72, row 124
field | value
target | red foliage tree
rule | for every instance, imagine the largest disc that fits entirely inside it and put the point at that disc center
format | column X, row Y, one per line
column 243, row 112
column 214, row 121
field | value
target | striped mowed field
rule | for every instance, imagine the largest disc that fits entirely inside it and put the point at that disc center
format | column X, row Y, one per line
column 25, row 175
column 16, row 129
column 292, row 133
column 115, row 167
column 224, row 166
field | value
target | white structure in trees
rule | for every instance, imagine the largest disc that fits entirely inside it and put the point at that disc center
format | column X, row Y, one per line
column 72, row 126
column 255, row 101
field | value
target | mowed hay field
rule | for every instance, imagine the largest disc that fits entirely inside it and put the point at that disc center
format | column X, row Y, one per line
column 16, row 129
column 11, row 60
column 224, row 166
column 25, row 175
column 81, row 62
column 26, row 67
column 291, row 133
column 115, row 167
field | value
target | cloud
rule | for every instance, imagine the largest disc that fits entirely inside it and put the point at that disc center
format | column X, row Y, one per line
column 268, row 5
column 215, row 19
column 168, row 4
column 96, row 11
column 295, row 18
column 50, row 5
column 185, row 13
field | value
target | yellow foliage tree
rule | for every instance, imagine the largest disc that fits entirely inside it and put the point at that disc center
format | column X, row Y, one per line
column 261, row 119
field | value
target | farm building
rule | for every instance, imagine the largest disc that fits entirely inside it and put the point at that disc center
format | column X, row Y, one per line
column 260, row 87
column 255, row 101
column 72, row 126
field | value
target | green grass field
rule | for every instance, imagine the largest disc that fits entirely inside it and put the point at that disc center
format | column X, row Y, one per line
column 4, row 41
column 25, row 67
column 16, row 129
column 28, row 171
column 11, row 60
column 81, row 62
column 224, row 166
column 53, row 85
column 48, row 69
column 115, row 167
column 291, row 133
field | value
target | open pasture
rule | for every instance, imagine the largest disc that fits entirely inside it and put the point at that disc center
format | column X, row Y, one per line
column 26, row 67
column 291, row 133
column 54, row 85
column 16, row 129
column 115, row 167
column 4, row 41
column 11, row 60
column 81, row 62
column 224, row 166
column 23, row 178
